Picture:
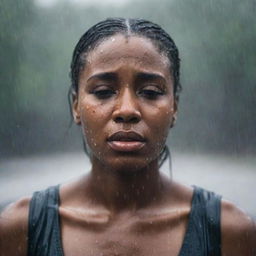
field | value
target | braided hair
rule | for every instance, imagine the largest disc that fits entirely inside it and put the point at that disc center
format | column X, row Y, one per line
column 128, row 27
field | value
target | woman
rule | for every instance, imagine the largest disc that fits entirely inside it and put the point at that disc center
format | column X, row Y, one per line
column 125, row 89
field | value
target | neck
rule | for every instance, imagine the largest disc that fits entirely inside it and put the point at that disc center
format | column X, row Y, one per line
column 118, row 190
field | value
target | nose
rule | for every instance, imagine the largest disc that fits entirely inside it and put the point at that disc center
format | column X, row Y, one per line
column 126, row 109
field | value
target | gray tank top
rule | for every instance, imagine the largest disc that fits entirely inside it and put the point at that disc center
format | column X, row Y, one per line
column 202, row 238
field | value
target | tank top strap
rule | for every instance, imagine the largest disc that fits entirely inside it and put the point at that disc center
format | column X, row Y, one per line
column 203, row 236
column 212, row 216
column 44, row 229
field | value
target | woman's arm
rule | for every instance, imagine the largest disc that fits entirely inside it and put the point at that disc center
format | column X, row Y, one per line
column 14, row 228
column 238, row 232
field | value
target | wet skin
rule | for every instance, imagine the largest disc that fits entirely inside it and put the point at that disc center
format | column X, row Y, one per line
column 125, row 206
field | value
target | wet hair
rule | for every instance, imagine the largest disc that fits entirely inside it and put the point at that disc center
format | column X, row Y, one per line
column 127, row 27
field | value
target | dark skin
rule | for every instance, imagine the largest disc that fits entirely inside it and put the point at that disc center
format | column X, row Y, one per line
column 125, row 206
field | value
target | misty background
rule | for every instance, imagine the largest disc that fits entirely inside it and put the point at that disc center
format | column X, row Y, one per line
column 214, row 139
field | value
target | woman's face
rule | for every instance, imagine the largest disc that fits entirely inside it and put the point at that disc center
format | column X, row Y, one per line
column 125, row 102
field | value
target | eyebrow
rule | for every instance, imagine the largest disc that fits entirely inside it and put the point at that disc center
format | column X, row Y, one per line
column 144, row 76
column 107, row 76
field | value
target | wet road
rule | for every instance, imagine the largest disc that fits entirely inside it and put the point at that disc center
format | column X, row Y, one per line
column 233, row 178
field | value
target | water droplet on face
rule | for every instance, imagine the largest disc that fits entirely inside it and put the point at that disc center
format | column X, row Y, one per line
column 113, row 39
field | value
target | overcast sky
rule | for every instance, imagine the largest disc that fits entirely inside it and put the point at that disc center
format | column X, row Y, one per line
column 48, row 3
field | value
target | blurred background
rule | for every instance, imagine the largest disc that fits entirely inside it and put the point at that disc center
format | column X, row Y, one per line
column 214, row 140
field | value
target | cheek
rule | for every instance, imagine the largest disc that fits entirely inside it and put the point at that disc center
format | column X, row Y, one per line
column 93, row 119
column 159, row 122
column 160, row 118
column 87, row 119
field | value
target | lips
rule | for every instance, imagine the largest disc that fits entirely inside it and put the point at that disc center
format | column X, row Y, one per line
column 126, row 141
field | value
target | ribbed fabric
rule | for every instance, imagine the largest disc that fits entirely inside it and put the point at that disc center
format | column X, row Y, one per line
column 202, row 238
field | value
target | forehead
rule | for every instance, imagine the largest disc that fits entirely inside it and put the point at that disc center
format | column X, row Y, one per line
column 134, row 51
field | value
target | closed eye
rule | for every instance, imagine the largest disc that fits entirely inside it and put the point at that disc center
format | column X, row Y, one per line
column 150, row 94
column 103, row 93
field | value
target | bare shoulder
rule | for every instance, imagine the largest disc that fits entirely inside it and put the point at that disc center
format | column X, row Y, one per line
column 238, row 231
column 14, row 228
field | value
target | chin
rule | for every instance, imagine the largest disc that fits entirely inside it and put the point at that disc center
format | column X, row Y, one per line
column 129, row 165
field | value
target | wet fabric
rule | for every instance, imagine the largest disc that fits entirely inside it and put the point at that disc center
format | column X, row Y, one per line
column 202, row 238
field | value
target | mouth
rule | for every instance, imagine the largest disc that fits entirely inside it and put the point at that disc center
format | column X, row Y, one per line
column 123, row 141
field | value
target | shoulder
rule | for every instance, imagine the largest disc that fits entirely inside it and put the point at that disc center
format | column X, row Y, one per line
column 14, row 228
column 238, row 231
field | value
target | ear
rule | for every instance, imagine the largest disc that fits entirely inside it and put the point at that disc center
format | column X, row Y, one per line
column 75, row 109
column 175, row 111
